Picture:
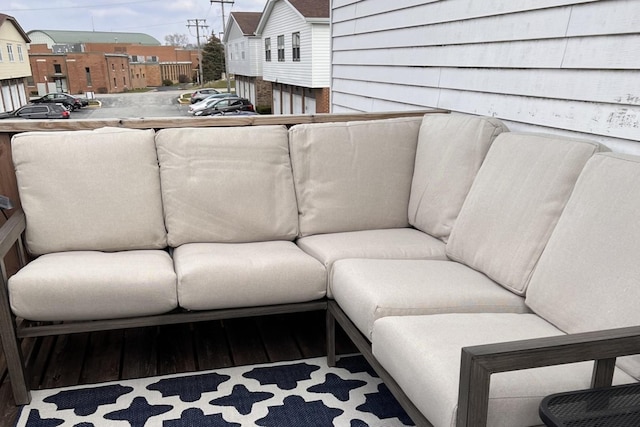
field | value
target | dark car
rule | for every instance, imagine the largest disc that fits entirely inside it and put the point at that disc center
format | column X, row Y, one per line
column 227, row 105
column 45, row 111
column 69, row 101
column 201, row 94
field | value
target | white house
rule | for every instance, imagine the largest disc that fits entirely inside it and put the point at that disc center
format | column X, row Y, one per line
column 14, row 64
column 296, row 54
column 562, row 66
column 244, row 57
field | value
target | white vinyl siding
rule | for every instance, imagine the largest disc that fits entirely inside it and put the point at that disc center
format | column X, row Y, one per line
column 563, row 66
column 247, row 59
column 313, row 69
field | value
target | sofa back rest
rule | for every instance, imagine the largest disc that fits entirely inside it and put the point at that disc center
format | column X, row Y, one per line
column 89, row 190
column 451, row 148
column 588, row 277
column 353, row 176
column 227, row 184
column 514, row 204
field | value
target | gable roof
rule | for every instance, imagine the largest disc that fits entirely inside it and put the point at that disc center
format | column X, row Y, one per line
column 247, row 21
column 4, row 18
column 71, row 37
column 312, row 11
column 311, row 8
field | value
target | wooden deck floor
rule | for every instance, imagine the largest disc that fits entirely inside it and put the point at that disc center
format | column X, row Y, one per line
column 133, row 353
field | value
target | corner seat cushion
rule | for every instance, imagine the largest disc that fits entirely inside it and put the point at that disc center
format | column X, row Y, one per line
column 588, row 275
column 394, row 243
column 423, row 353
column 514, row 204
column 90, row 190
column 451, row 148
column 228, row 275
column 230, row 185
column 88, row 285
column 367, row 290
column 353, row 176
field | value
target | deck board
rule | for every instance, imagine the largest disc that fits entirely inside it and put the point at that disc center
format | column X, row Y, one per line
column 143, row 352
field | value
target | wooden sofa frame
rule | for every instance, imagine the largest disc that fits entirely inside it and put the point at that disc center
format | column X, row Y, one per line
column 13, row 329
column 479, row 362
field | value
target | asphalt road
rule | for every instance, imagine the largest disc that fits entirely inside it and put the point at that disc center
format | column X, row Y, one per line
column 135, row 105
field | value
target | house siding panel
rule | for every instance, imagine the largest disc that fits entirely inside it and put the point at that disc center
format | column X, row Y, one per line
column 561, row 66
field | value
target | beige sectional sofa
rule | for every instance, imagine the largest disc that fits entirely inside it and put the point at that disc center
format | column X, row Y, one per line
column 421, row 236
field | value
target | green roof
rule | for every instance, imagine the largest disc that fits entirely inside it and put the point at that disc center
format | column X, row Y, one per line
column 71, row 37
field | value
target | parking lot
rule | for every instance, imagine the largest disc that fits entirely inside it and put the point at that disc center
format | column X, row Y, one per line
column 156, row 103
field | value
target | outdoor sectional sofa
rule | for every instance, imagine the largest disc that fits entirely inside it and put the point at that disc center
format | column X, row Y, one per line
column 420, row 235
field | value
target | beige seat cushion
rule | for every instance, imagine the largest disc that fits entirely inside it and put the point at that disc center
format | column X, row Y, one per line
column 228, row 275
column 588, row 277
column 422, row 353
column 451, row 148
column 90, row 190
column 514, row 204
column 395, row 243
column 353, row 176
column 94, row 285
column 367, row 290
column 227, row 184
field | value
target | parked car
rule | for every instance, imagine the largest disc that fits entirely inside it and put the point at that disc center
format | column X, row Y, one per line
column 44, row 111
column 226, row 106
column 201, row 94
column 70, row 101
column 209, row 101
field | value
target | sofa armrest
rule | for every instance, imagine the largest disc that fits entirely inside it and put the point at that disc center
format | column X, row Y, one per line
column 10, row 232
column 479, row 362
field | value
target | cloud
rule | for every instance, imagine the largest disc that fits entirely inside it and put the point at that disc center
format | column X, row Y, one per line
column 113, row 11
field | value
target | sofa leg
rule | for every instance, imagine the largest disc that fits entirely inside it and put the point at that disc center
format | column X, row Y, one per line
column 331, row 338
column 11, row 346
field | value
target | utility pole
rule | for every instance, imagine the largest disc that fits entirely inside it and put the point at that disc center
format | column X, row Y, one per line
column 224, row 30
column 198, row 23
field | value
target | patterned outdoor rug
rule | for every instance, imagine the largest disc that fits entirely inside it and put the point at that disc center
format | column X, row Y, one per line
column 302, row 393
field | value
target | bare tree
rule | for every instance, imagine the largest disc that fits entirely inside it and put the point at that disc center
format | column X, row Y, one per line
column 178, row 40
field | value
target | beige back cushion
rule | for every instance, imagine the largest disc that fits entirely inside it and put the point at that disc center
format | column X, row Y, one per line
column 451, row 148
column 353, row 176
column 514, row 204
column 90, row 190
column 227, row 184
column 588, row 277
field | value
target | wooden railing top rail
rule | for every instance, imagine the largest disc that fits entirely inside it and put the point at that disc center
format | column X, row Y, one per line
column 17, row 126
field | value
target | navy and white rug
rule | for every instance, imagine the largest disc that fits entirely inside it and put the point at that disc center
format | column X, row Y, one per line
column 288, row 394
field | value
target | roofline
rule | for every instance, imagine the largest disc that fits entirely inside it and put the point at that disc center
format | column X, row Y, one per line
column 18, row 27
column 268, row 8
column 96, row 32
column 225, row 38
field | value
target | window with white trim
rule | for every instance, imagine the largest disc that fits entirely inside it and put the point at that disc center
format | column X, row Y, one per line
column 280, row 48
column 10, row 52
column 20, row 54
column 295, row 46
column 267, row 49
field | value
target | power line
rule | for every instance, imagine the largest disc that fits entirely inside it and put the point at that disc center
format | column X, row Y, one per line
column 224, row 30
column 197, row 23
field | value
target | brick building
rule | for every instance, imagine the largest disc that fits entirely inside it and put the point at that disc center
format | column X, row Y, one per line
column 100, row 62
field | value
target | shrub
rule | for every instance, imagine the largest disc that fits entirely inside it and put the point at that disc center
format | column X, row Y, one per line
column 167, row 82
column 183, row 78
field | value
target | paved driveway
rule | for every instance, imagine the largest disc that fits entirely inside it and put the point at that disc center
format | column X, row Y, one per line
column 135, row 105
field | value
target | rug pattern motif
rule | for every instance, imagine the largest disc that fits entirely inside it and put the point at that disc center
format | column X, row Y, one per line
column 286, row 394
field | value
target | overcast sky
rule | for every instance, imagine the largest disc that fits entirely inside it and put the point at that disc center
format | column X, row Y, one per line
column 154, row 17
